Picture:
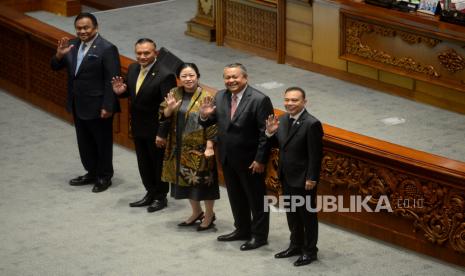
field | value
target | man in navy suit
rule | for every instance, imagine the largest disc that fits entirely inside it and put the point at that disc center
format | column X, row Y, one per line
column 148, row 81
column 300, row 139
column 91, row 62
column 240, row 112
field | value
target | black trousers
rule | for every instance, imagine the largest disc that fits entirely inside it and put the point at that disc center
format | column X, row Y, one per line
column 150, row 162
column 95, row 143
column 246, row 193
column 302, row 223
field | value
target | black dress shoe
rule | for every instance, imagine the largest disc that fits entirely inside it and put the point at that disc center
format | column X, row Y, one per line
column 209, row 226
column 291, row 251
column 305, row 259
column 146, row 201
column 83, row 180
column 253, row 243
column 234, row 236
column 101, row 185
column 157, row 205
column 198, row 218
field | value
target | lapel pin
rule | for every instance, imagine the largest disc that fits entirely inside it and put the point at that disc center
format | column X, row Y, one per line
column 94, row 46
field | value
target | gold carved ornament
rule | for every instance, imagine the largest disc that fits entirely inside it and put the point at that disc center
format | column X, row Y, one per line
column 206, row 6
column 441, row 214
column 451, row 60
column 355, row 46
column 272, row 183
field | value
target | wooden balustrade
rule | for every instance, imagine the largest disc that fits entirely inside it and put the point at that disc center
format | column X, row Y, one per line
column 426, row 192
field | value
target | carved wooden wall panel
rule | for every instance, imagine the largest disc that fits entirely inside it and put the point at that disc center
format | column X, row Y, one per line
column 251, row 25
column 404, row 51
column 13, row 66
column 435, row 209
column 44, row 81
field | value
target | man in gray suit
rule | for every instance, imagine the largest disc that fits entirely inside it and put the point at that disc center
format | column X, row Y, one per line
column 299, row 136
column 91, row 62
column 240, row 112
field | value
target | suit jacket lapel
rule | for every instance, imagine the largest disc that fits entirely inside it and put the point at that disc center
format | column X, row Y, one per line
column 74, row 52
column 295, row 127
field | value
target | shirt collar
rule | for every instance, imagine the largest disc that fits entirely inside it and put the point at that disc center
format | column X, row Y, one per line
column 240, row 94
column 148, row 67
column 297, row 116
column 90, row 42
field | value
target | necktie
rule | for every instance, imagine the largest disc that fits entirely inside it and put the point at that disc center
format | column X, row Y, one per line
column 140, row 79
column 80, row 56
column 233, row 105
column 290, row 124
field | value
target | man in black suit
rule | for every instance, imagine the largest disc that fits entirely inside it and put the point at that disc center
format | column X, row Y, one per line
column 299, row 136
column 240, row 112
column 148, row 82
column 91, row 62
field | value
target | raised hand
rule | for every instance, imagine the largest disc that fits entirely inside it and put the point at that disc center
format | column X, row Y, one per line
column 207, row 107
column 272, row 124
column 171, row 104
column 119, row 87
column 63, row 47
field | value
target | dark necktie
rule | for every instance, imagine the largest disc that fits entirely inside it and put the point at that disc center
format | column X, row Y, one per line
column 290, row 123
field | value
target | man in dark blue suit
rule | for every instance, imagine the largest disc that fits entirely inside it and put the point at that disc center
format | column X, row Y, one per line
column 91, row 62
column 240, row 112
column 300, row 139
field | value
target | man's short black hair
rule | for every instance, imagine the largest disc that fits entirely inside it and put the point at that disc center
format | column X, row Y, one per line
column 238, row 65
column 146, row 40
column 293, row 88
column 86, row 15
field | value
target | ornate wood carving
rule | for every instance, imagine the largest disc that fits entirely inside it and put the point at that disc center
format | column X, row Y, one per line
column 203, row 24
column 355, row 46
column 205, row 7
column 252, row 25
column 451, row 60
column 436, row 209
column 271, row 179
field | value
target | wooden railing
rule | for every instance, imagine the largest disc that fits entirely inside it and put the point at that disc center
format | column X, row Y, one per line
column 426, row 192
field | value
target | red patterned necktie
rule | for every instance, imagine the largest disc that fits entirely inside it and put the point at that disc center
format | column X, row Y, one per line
column 233, row 105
